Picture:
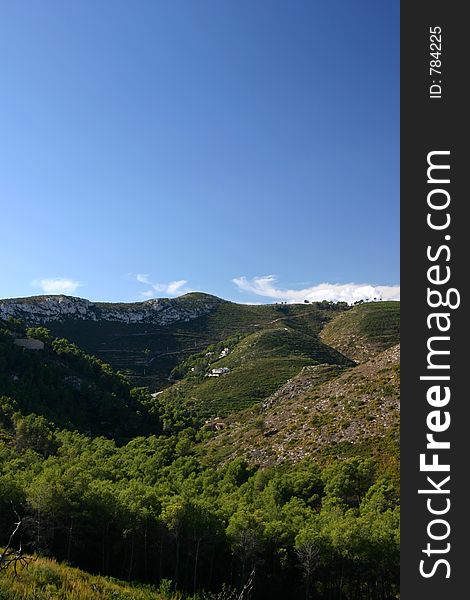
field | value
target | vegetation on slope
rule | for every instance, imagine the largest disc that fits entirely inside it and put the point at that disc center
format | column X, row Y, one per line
column 147, row 352
column 365, row 330
column 151, row 511
column 183, row 510
column 66, row 386
column 45, row 579
column 257, row 363
column 325, row 411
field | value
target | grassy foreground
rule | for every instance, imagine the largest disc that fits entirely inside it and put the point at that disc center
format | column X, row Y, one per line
column 45, row 579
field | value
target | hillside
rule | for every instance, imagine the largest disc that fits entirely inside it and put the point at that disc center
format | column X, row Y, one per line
column 365, row 330
column 266, row 347
column 330, row 406
column 243, row 370
column 146, row 340
column 324, row 411
column 66, row 386
column 266, row 442
column 45, row 579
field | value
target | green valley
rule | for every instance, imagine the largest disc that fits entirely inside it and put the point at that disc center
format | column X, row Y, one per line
column 196, row 448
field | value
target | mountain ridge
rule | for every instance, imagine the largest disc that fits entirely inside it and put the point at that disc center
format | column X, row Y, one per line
column 53, row 307
column 300, row 441
column 146, row 340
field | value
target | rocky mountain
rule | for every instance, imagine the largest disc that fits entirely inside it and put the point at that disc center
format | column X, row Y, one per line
column 272, row 382
column 147, row 340
column 273, row 423
column 44, row 310
column 215, row 358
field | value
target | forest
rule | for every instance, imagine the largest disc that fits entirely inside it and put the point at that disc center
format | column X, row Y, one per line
column 96, row 482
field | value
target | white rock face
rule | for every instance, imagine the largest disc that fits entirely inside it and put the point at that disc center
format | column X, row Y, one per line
column 45, row 309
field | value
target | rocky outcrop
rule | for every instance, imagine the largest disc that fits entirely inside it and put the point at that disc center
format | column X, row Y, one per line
column 41, row 310
column 324, row 408
column 308, row 379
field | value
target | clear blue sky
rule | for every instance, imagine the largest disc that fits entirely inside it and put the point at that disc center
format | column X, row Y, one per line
column 199, row 141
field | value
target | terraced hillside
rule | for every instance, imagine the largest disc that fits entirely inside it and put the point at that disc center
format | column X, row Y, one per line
column 324, row 411
column 365, row 330
column 245, row 369
column 265, row 435
column 65, row 386
column 210, row 356
column 148, row 339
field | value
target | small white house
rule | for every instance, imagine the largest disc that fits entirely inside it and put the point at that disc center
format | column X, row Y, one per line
column 225, row 352
column 219, row 371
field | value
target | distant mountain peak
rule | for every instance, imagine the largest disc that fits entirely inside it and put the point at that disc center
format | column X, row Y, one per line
column 157, row 311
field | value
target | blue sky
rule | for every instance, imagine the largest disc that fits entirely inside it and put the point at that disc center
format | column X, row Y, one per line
column 246, row 148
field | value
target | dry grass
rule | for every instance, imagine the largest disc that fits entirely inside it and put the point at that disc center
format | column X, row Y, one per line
column 45, row 579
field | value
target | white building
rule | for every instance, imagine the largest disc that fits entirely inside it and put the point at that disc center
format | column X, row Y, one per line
column 219, row 371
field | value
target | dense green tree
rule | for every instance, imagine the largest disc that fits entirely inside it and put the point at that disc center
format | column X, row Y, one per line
column 349, row 479
column 40, row 333
column 110, row 480
column 34, row 432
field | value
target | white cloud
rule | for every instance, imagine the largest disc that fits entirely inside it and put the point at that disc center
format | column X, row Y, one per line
column 142, row 278
column 173, row 288
column 389, row 292
column 349, row 292
column 58, row 285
